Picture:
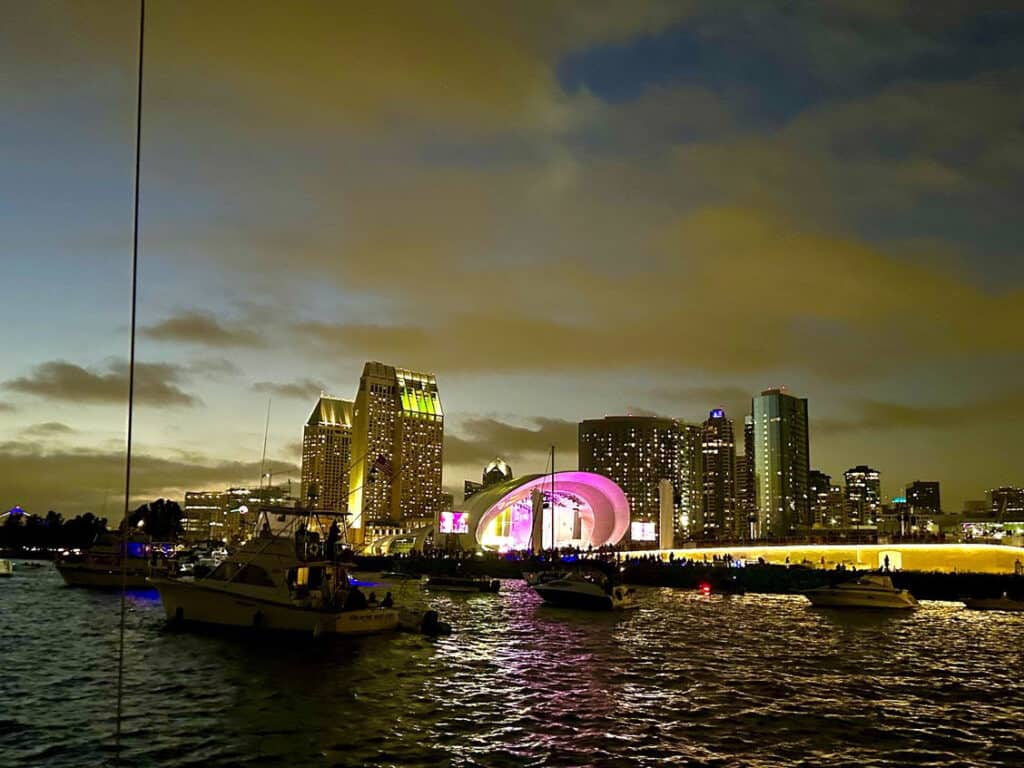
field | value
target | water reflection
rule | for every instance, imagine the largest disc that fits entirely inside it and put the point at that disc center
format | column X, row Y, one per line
column 745, row 680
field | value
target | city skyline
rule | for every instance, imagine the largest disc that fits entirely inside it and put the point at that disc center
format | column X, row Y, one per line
column 282, row 246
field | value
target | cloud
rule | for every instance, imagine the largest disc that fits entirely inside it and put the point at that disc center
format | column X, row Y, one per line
column 213, row 368
column 202, row 329
column 47, row 429
column 878, row 416
column 93, row 480
column 7, row 407
column 300, row 389
column 155, row 384
column 482, row 439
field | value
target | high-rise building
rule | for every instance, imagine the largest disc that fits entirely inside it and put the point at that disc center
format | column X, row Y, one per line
column 327, row 454
column 1006, row 503
column 923, row 497
column 781, row 463
column 636, row 452
column 718, row 446
column 819, row 486
column 398, row 431
column 863, row 495
column 688, row 486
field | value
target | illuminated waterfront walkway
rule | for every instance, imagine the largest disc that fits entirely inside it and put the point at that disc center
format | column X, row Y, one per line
column 947, row 558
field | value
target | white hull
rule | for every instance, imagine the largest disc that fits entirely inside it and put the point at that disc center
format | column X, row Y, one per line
column 831, row 597
column 209, row 604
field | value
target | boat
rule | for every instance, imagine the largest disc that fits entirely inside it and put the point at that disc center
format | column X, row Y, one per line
column 533, row 578
column 1004, row 603
column 591, row 590
column 279, row 581
column 399, row 576
column 463, row 584
column 6, row 568
column 872, row 590
column 100, row 566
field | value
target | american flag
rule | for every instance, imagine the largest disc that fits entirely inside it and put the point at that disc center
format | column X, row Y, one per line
column 382, row 465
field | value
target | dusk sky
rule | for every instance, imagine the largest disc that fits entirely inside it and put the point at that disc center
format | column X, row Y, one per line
column 562, row 209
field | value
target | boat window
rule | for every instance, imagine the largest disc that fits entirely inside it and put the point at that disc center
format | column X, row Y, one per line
column 223, row 572
column 254, row 576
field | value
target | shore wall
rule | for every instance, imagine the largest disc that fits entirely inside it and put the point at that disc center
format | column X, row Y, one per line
column 939, row 558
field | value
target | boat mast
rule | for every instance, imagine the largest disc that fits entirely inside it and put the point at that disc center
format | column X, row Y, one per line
column 131, row 389
column 553, row 497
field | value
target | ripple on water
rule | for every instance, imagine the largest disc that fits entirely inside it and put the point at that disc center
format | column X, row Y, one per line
column 725, row 681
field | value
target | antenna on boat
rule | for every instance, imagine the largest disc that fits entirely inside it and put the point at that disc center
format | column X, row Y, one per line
column 553, row 497
column 131, row 388
column 263, row 460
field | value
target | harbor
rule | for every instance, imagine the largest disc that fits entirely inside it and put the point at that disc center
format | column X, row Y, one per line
column 516, row 683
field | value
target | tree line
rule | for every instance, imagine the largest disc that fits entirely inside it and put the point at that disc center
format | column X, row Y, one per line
column 21, row 531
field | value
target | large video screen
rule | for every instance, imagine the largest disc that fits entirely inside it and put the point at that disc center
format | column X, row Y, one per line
column 454, row 522
column 643, row 532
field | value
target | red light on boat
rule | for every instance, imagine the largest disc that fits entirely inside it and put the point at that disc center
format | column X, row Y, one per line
column 705, row 588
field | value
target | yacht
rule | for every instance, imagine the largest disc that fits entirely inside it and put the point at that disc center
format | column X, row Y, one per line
column 872, row 590
column 278, row 581
column 6, row 568
column 100, row 566
column 586, row 589
column 1004, row 603
column 462, row 584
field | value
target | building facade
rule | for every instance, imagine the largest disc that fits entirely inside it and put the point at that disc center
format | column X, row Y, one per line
column 819, row 486
column 1006, row 502
column 495, row 472
column 689, row 484
column 781, row 464
column 718, row 446
column 327, row 454
column 863, row 495
column 228, row 516
column 398, row 434
column 923, row 496
column 636, row 452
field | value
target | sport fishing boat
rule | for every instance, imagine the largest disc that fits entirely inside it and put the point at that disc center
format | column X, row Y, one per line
column 100, row 566
column 1003, row 603
column 872, row 590
column 277, row 581
column 591, row 590
column 462, row 584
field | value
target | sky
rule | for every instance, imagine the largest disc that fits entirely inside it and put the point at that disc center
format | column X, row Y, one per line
column 563, row 210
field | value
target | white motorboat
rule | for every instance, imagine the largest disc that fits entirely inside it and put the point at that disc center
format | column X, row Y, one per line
column 283, row 582
column 100, row 566
column 592, row 590
column 533, row 578
column 6, row 568
column 1004, row 603
column 872, row 590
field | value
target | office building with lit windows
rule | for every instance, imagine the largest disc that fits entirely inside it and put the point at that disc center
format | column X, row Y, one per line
column 636, row 452
column 397, row 437
column 718, row 446
column 781, row 464
column 689, row 485
column 863, row 496
column 327, row 454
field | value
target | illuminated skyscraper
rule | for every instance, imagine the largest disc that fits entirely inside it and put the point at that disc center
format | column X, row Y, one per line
column 718, row 445
column 689, row 486
column 636, row 452
column 781, row 463
column 863, row 495
column 327, row 454
column 398, row 431
column 1006, row 502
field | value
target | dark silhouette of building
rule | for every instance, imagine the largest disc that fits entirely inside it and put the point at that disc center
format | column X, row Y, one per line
column 863, row 495
column 923, row 497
